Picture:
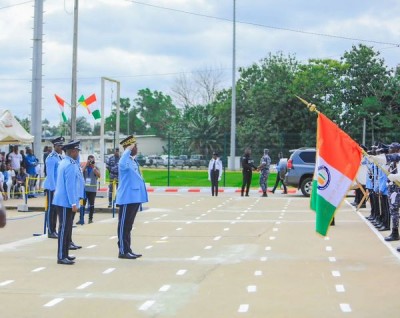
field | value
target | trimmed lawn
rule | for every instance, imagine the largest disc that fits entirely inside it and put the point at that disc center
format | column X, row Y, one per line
column 198, row 178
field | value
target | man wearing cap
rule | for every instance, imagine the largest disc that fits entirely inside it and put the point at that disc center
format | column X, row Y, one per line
column 69, row 190
column 112, row 167
column 131, row 194
column 51, row 165
column 265, row 163
column 214, row 173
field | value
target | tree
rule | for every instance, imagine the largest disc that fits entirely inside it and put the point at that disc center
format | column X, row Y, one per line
column 156, row 110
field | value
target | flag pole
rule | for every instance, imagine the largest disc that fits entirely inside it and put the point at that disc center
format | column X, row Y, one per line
column 312, row 108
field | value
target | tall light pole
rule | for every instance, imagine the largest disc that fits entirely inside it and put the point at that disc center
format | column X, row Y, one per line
column 74, row 71
column 372, row 127
column 233, row 103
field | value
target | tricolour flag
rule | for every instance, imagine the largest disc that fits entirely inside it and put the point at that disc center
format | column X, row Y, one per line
column 61, row 103
column 337, row 162
column 81, row 101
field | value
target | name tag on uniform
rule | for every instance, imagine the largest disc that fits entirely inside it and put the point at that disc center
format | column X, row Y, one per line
column 88, row 180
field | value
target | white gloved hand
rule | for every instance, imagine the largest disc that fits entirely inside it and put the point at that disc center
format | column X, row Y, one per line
column 381, row 159
column 394, row 177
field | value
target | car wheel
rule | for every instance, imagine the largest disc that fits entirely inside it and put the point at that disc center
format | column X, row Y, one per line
column 306, row 186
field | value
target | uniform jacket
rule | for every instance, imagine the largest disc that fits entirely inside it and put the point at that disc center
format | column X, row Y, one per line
column 265, row 162
column 69, row 185
column 248, row 163
column 31, row 162
column 52, row 162
column 131, row 187
column 112, row 166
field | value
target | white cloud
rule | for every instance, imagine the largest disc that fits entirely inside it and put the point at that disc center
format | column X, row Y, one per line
column 144, row 46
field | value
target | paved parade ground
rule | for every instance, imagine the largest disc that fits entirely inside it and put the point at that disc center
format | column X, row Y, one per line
column 203, row 256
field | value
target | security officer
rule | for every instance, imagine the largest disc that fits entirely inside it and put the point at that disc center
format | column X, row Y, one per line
column 265, row 163
column 112, row 167
column 384, row 224
column 247, row 170
column 392, row 159
column 131, row 194
column 214, row 173
column 69, row 189
column 51, row 164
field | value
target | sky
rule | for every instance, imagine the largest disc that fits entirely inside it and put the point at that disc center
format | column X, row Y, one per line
column 149, row 43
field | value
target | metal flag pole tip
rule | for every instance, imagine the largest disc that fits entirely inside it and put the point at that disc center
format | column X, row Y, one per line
column 311, row 107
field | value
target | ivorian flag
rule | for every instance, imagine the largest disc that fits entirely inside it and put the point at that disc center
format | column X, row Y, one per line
column 337, row 162
column 61, row 103
column 85, row 102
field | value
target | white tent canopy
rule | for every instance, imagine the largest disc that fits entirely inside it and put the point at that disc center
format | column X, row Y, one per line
column 11, row 131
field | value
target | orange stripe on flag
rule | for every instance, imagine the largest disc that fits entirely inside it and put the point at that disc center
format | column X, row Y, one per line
column 337, row 148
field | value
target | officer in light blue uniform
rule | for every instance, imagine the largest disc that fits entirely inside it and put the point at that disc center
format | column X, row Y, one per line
column 68, row 192
column 131, row 193
column 52, row 162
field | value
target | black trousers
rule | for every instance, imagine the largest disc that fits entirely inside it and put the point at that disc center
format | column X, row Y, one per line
column 51, row 213
column 247, row 175
column 214, row 181
column 126, row 218
column 278, row 179
column 90, row 197
column 65, row 216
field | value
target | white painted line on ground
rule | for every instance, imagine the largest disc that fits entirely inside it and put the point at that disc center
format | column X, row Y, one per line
column 238, row 218
column 326, row 238
column 195, row 258
column 164, row 215
column 188, row 222
column 268, row 248
column 243, row 308
column 272, row 238
column 280, row 217
column 53, row 302
column 179, row 229
column 148, row 247
column 252, row 288
column 257, row 273
column 226, row 229
column 208, row 247
column 275, row 229
column 146, row 305
column 198, row 218
column 335, row 273
column 243, row 214
column 109, row 270
column 203, row 214
column 332, row 259
column 263, row 259
column 328, row 248
column 217, row 238
column 84, row 285
column 38, row 269
column 233, row 222
column 6, row 282
column 164, row 288
column 113, row 237
column 187, row 205
column 155, row 219
column 91, row 246
column 340, row 288
column 278, row 222
column 181, row 272
column 164, row 238
column 146, row 222
column 345, row 307
column 283, row 211
column 220, row 205
column 209, row 211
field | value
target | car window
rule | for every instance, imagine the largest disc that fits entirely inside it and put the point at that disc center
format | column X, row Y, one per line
column 308, row 156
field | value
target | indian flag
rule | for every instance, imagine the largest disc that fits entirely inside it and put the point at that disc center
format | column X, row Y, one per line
column 337, row 162
column 61, row 104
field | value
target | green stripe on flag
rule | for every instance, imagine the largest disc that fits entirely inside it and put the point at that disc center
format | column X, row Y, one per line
column 324, row 211
column 96, row 114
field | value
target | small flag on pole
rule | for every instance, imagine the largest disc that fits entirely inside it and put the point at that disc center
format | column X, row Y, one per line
column 337, row 162
column 61, row 103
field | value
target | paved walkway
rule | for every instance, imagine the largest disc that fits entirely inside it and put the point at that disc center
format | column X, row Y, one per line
column 203, row 256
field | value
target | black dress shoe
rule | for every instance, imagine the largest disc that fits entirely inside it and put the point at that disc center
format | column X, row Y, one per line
column 77, row 246
column 384, row 228
column 127, row 256
column 65, row 261
column 71, row 258
column 73, row 247
column 52, row 235
column 398, row 249
column 137, row 255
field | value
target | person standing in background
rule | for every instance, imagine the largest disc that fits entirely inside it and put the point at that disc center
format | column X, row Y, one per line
column 265, row 163
column 214, row 173
column 247, row 171
column 91, row 174
column 112, row 167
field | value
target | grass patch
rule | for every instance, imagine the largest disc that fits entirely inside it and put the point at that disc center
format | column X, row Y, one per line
column 198, row 178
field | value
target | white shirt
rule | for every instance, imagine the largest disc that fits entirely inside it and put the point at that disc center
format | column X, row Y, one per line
column 218, row 166
column 16, row 160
